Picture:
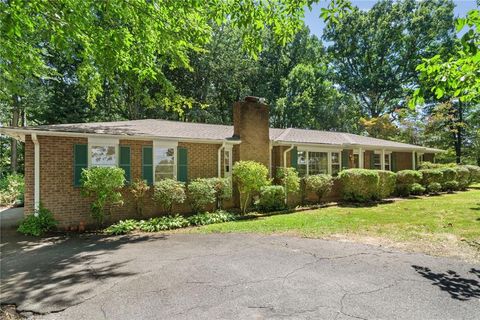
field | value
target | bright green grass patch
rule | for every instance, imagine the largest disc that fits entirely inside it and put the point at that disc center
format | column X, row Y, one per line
column 426, row 218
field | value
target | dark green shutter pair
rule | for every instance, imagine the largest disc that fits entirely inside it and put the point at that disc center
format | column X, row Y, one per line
column 393, row 158
column 80, row 162
column 372, row 160
column 147, row 164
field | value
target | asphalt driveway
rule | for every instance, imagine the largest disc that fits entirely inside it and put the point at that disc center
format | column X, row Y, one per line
column 183, row 276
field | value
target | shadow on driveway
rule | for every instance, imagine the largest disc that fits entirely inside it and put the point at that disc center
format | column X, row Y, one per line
column 459, row 288
column 59, row 271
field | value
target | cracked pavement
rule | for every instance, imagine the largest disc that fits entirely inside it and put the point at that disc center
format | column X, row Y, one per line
column 224, row 276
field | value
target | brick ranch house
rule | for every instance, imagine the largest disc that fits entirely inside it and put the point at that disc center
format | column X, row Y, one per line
column 151, row 149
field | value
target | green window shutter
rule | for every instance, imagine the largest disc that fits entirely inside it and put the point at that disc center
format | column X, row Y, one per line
column 393, row 157
column 124, row 162
column 372, row 161
column 182, row 164
column 294, row 157
column 80, row 162
column 147, row 164
column 345, row 155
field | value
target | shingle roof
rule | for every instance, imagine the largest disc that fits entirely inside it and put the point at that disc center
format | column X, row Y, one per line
column 193, row 131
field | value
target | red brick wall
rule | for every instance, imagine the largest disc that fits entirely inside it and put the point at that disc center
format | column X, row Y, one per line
column 404, row 160
column 58, row 194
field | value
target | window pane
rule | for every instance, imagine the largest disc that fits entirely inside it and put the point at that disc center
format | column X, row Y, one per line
column 376, row 161
column 356, row 160
column 164, row 163
column 335, row 169
column 302, row 163
column 103, row 156
column 226, row 162
column 317, row 162
column 335, row 158
column 387, row 161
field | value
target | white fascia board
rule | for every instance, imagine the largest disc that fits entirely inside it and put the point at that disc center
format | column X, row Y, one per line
column 20, row 135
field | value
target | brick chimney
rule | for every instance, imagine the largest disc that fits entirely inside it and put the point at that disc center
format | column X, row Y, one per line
column 251, row 126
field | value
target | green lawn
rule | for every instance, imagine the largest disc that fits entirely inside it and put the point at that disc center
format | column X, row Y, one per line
column 441, row 224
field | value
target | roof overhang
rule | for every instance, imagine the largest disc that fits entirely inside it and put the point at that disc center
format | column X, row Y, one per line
column 356, row 146
column 20, row 133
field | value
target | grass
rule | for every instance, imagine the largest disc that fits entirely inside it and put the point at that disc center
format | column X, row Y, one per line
column 448, row 224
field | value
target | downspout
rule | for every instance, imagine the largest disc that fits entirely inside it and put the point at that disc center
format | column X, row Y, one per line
column 219, row 157
column 285, row 165
column 36, row 170
column 270, row 159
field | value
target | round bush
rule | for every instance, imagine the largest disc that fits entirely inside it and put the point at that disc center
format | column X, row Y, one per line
column 474, row 173
column 320, row 184
column 409, row 177
column 386, row 183
column 167, row 192
column 417, row 189
column 434, row 188
column 448, row 174
column 250, row 177
column 272, row 198
column 200, row 194
column 359, row 184
column 463, row 177
column 450, row 186
column 430, row 176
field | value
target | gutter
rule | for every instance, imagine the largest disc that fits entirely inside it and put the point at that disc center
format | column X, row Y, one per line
column 36, row 170
column 19, row 134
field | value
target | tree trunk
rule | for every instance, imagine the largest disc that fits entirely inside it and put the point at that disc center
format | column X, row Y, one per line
column 14, row 143
column 459, row 137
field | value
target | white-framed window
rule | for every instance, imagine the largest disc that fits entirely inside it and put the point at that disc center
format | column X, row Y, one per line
column 318, row 161
column 377, row 161
column 103, row 152
column 388, row 161
column 335, row 163
column 356, row 160
column 420, row 158
column 164, row 160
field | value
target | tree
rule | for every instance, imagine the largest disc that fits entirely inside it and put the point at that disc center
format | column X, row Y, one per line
column 250, row 177
column 451, row 83
column 375, row 53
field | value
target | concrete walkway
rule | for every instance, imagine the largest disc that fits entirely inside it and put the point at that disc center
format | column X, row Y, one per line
column 230, row 276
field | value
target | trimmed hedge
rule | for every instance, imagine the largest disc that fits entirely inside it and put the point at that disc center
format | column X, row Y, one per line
column 474, row 173
column 320, row 184
column 359, row 185
column 449, row 176
column 417, row 189
column 434, row 188
column 430, row 176
column 406, row 179
column 386, row 183
column 272, row 198
column 463, row 177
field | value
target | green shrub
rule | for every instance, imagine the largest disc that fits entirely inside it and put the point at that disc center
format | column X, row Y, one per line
column 168, row 192
column 139, row 189
column 409, row 177
column 320, row 184
column 434, row 188
column 417, row 189
column 386, row 183
column 405, row 181
column 103, row 184
column 430, row 165
column 205, row 218
column 463, row 177
column 223, row 190
column 430, row 176
column 359, row 184
column 163, row 223
column 122, row 227
column 448, row 174
column 12, row 189
column 200, row 194
column 39, row 223
column 250, row 177
column 474, row 173
column 450, row 186
column 289, row 180
column 272, row 198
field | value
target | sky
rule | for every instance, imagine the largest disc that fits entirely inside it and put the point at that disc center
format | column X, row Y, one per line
column 316, row 24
